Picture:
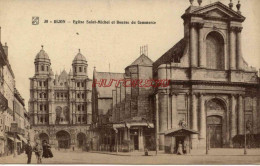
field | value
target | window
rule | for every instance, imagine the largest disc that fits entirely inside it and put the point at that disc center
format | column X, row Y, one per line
column 83, row 107
column 58, row 95
column 85, row 70
column 61, row 94
column 80, row 69
column 44, row 83
column 41, row 119
column 215, row 51
column 46, row 119
column 78, row 107
column 78, row 84
column 83, row 119
column 47, row 67
column 42, row 68
column 41, row 107
column 40, row 95
column 40, row 83
column 83, row 96
column 36, row 68
column 78, row 119
column 82, row 84
column 65, row 95
column 45, row 107
column 75, row 69
column 45, row 95
column 78, row 95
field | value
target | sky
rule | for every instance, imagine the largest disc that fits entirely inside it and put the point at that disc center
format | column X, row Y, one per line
column 117, row 45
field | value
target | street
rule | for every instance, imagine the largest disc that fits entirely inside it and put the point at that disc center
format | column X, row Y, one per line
column 79, row 157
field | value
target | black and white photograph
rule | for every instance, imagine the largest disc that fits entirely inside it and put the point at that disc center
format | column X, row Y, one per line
column 169, row 82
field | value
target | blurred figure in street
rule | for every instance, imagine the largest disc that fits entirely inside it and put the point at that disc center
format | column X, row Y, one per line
column 47, row 153
column 180, row 149
column 28, row 151
column 38, row 152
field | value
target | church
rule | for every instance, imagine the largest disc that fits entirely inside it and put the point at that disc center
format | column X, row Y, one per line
column 213, row 96
column 60, row 105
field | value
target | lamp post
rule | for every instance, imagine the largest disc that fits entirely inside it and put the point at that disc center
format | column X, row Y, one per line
column 245, row 152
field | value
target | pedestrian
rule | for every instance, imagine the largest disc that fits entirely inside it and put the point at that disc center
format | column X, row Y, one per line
column 28, row 151
column 38, row 152
column 47, row 153
column 180, row 149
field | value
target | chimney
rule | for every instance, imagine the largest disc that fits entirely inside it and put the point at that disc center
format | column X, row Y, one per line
column 5, row 47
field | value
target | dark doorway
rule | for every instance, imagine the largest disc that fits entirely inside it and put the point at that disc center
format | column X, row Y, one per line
column 134, row 139
column 179, row 139
column 81, row 138
column 215, row 131
column 63, row 138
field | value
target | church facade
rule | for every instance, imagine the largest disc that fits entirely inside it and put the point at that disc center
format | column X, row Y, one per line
column 60, row 105
column 213, row 96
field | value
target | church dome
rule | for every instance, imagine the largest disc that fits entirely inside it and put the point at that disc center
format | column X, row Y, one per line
column 79, row 58
column 42, row 55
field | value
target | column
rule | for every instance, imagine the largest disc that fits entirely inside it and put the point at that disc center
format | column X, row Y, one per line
column 141, row 139
column 203, row 117
column 169, row 117
column 233, row 126
column 240, row 115
column 174, row 111
column 157, row 122
column 232, row 48
column 239, row 49
column 163, row 108
column 194, row 120
column 193, row 50
column 254, row 99
column 202, row 56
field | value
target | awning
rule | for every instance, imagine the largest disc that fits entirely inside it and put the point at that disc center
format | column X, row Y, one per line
column 148, row 124
column 12, row 139
column 179, row 132
column 22, row 138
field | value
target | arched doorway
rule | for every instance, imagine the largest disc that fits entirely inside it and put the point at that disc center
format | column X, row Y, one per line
column 81, row 138
column 215, row 131
column 43, row 137
column 215, row 51
column 63, row 138
column 215, row 117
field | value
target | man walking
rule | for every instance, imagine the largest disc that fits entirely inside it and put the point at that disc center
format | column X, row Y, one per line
column 28, row 151
column 38, row 152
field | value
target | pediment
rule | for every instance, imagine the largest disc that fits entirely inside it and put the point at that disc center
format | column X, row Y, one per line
column 218, row 9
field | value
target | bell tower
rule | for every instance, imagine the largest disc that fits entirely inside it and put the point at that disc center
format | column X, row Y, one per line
column 42, row 63
column 79, row 66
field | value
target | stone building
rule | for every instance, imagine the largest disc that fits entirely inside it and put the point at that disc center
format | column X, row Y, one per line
column 7, row 86
column 129, row 114
column 60, row 105
column 213, row 93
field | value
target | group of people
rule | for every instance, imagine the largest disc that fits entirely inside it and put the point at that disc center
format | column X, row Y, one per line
column 41, row 151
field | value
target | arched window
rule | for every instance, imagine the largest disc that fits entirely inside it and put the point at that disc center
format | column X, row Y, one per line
column 215, row 51
column 42, row 68
column 85, row 69
column 80, row 69
column 75, row 69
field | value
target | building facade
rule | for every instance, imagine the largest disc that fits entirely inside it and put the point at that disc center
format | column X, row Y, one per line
column 60, row 105
column 213, row 93
column 128, row 120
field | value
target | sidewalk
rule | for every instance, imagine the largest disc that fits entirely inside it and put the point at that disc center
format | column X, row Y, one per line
column 211, row 152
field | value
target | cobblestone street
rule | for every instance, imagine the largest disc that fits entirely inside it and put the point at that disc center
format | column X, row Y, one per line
column 79, row 157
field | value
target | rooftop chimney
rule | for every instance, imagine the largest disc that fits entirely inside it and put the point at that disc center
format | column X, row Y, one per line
column 5, row 47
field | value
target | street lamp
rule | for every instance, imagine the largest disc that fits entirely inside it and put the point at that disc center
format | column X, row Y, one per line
column 245, row 152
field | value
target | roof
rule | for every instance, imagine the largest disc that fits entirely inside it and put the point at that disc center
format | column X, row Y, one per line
column 182, row 131
column 108, row 77
column 79, row 58
column 42, row 55
column 63, row 75
column 173, row 54
column 216, row 9
column 142, row 60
